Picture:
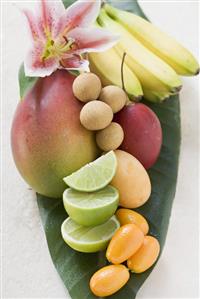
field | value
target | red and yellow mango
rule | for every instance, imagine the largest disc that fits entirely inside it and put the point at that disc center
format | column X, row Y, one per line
column 48, row 141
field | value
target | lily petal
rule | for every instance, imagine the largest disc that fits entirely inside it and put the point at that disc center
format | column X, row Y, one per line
column 82, row 13
column 74, row 62
column 35, row 33
column 48, row 19
column 51, row 12
column 35, row 66
column 92, row 39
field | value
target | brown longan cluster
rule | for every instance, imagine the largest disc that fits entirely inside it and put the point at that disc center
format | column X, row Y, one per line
column 98, row 111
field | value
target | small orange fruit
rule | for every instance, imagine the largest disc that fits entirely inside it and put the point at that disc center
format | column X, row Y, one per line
column 146, row 256
column 126, row 216
column 124, row 243
column 108, row 280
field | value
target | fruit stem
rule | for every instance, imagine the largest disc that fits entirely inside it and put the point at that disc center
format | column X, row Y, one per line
column 122, row 71
column 103, row 2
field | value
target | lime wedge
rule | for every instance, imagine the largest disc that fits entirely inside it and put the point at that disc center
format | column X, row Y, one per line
column 88, row 238
column 95, row 175
column 92, row 208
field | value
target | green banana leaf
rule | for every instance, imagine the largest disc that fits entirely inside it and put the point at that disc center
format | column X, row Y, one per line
column 75, row 269
column 25, row 83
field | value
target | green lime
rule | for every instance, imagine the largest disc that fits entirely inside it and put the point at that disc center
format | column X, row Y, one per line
column 95, row 175
column 92, row 208
column 88, row 238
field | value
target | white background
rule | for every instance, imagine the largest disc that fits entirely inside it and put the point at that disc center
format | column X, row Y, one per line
column 27, row 268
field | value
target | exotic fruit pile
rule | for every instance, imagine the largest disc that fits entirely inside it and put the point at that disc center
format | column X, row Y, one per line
column 115, row 179
column 94, row 223
column 88, row 140
column 117, row 122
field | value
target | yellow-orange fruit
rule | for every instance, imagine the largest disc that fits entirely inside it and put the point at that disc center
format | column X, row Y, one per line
column 87, row 87
column 146, row 256
column 131, row 180
column 126, row 216
column 108, row 280
column 125, row 242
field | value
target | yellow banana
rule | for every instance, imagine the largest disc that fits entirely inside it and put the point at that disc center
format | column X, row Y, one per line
column 162, row 45
column 155, row 96
column 107, row 65
column 158, row 79
column 153, row 90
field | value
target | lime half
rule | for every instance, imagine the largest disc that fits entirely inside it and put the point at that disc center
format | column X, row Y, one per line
column 95, row 175
column 92, row 208
column 90, row 238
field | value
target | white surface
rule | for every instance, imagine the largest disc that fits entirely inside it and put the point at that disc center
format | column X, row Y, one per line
column 27, row 268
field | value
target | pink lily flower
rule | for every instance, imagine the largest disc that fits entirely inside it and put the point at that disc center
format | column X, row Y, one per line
column 61, row 37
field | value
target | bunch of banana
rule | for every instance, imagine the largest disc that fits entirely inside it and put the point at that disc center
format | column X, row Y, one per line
column 162, row 45
column 107, row 66
column 153, row 59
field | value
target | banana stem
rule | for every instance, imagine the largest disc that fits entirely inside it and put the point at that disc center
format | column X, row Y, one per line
column 103, row 2
column 122, row 71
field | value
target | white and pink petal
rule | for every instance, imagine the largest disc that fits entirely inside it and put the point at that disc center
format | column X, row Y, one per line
column 74, row 62
column 33, row 25
column 36, row 66
column 82, row 13
column 50, row 16
column 92, row 39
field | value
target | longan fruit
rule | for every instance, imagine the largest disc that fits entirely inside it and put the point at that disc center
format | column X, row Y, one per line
column 110, row 138
column 96, row 115
column 114, row 96
column 87, row 87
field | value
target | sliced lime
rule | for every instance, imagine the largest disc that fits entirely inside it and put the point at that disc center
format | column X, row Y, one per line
column 95, row 175
column 88, row 238
column 92, row 208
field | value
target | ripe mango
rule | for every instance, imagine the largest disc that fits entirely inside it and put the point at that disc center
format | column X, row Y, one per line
column 47, row 138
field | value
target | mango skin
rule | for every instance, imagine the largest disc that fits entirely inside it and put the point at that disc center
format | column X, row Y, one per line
column 48, row 142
